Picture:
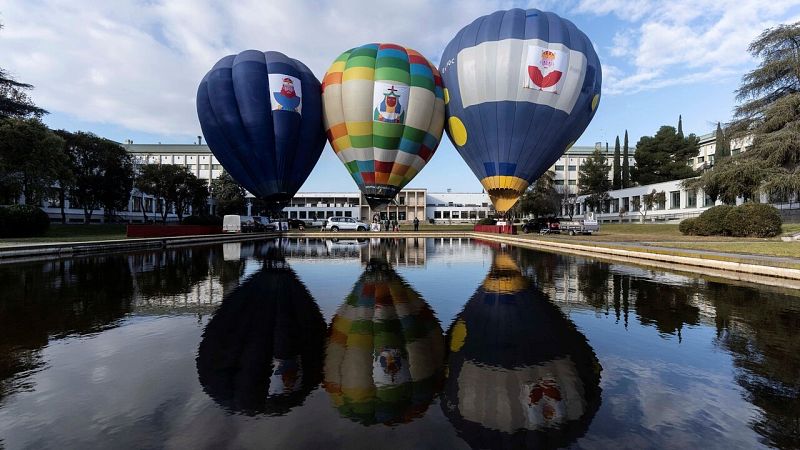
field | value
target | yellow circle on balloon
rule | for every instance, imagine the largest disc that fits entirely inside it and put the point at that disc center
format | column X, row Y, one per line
column 446, row 96
column 458, row 335
column 595, row 101
column 457, row 131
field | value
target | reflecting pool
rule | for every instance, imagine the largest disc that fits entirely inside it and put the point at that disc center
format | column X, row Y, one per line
column 400, row 343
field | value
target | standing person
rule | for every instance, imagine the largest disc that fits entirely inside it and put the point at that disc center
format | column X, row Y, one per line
column 416, row 223
column 394, row 225
column 387, row 224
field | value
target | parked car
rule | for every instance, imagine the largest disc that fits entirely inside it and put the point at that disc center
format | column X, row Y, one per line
column 261, row 223
column 542, row 225
column 344, row 223
column 297, row 224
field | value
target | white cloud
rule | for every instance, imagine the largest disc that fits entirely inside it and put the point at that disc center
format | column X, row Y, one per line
column 684, row 41
column 137, row 64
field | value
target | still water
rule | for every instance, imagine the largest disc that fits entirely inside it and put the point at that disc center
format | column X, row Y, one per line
column 414, row 343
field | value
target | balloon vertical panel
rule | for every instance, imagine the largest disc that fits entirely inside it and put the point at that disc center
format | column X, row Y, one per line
column 521, row 87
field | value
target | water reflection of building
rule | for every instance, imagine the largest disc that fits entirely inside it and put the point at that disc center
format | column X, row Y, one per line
column 399, row 251
column 520, row 375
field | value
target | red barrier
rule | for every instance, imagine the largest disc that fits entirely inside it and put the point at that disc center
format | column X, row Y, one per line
column 500, row 229
column 145, row 231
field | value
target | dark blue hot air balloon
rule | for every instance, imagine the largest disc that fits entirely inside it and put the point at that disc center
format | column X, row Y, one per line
column 261, row 114
column 520, row 88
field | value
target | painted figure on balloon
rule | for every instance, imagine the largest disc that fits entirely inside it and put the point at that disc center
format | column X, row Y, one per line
column 288, row 98
column 390, row 109
column 545, row 68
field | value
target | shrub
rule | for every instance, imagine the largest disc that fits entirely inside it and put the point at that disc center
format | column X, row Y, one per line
column 688, row 226
column 202, row 220
column 487, row 221
column 712, row 221
column 23, row 221
column 753, row 220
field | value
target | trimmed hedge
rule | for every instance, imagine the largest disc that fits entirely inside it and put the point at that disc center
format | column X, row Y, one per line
column 746, row 220
column 23, row 221
column 688, row 226
column 202, row 220
column 487, row 221
column 754, row 220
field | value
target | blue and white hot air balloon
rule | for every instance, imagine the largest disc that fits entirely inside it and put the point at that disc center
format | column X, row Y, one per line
column 520, row 88
column 261, row 114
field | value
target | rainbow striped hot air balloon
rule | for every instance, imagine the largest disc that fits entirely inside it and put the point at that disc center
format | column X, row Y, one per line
column 385, row 355
column 383, row 109
column 520, row 374
column 520, row 88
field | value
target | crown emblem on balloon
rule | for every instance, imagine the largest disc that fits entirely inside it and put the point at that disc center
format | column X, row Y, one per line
column 547, row 54
column 288, row 80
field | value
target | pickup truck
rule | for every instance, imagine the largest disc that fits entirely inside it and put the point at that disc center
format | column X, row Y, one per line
column 586, row 226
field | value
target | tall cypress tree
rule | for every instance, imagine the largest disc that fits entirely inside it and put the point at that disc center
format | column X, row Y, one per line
column 722, row 146
column 680, row 126
column 617, row 183
column 626, row 168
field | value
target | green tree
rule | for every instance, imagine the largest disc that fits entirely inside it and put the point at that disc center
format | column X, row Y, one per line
column 617, row 178
column 31, row 160
column 229, row 196
column 650, row 200
column 102, row 172
column 722, row 145
column 626, row 166
column 769, row 112
column 541, row 198
column 664, row 157
column 174, row 185
column 593, row 180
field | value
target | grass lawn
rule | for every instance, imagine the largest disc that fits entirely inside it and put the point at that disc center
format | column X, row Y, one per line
column 770, row 248
column 73, row 233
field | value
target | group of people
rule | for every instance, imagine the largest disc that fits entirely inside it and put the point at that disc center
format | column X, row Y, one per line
column 390, row 225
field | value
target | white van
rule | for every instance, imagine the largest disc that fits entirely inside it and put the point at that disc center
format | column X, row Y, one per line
column 231, row 224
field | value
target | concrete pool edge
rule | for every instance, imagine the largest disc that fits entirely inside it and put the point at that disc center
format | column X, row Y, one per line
column 758, row 273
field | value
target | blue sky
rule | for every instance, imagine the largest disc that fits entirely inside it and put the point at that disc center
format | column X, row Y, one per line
column 129, row 69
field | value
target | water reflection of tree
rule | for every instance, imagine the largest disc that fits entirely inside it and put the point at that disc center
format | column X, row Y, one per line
column 761, row 334
column 666, row 307
column 48, row 300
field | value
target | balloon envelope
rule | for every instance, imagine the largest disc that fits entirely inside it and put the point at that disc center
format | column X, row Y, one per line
column 383, row 107
column 520, row 88
column 261, row 114
column 262, row 351
column 520, row 374
column 385, row 354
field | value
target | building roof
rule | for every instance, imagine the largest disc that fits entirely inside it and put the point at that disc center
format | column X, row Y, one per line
column 162, row 149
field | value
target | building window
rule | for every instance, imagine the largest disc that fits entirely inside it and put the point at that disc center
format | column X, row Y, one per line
column 700, row 159
column 674, row 199
column 437, row 214
column 392, row 216
column 348, row 213
column 485, row 205
column 455, row 215
column 481, row 214
column 338, row 213
column 735, row 151
column 559, row 168
column 137, row 204
column 401, row 215
column 572, row 168
column 636, row 202
column 216, row 166
column 328, row 214
column 626, row 204
column 559, row 182
column 302, row 215
column 445, row 214
column 707, row 201
column 572, row 182
column 401, row 200
column 691, row 199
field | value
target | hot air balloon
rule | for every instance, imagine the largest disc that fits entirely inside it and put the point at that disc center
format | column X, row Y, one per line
column 520, row 375
column 261, row 114
column 383, row 107
column 520, row 88
column 385, row 354
column 262, row 351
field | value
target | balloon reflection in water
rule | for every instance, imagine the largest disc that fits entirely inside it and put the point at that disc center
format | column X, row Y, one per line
column 385, row 355
column 520, row 373
column 262, row 351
